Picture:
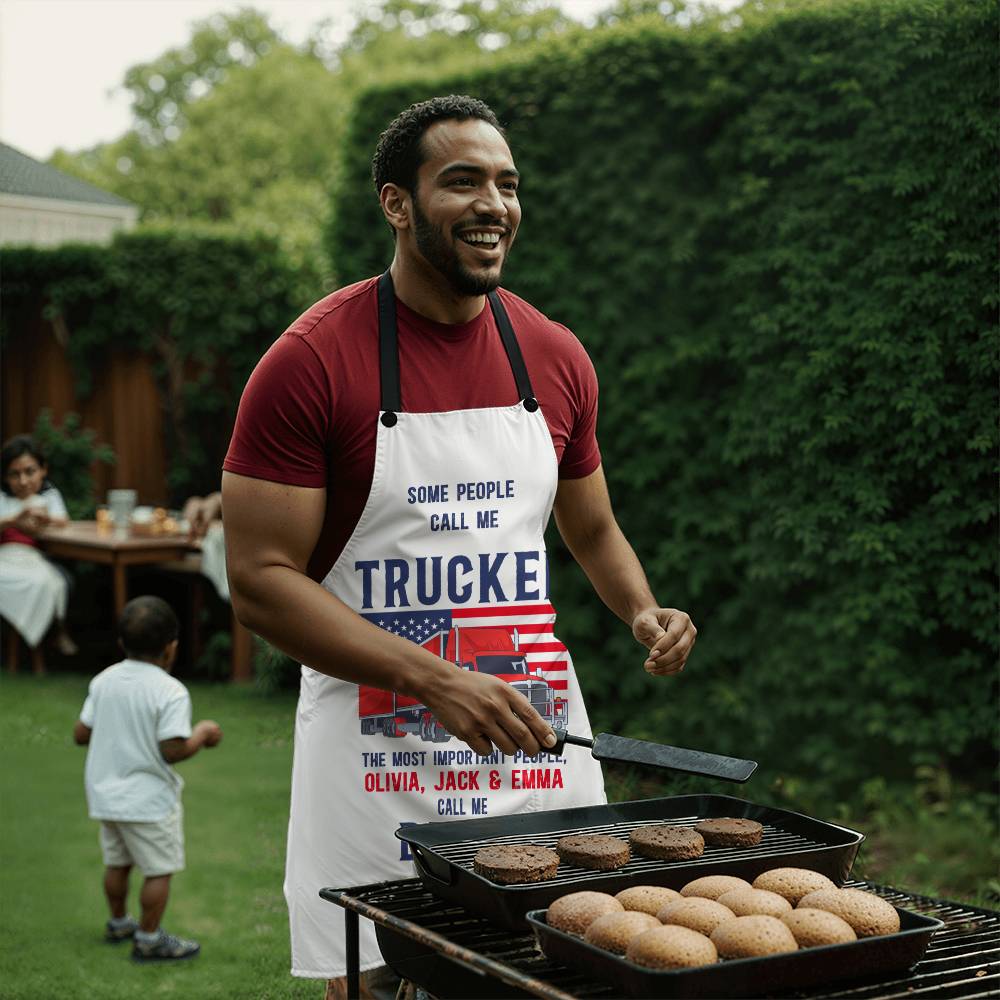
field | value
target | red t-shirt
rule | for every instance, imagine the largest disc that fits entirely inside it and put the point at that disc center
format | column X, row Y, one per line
column 309, row 411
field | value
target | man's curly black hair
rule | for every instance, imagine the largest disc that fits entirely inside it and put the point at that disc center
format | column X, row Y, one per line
column 399, row 153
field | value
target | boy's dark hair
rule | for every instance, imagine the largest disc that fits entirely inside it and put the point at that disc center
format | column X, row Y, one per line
column 147, row 626
column 399, row 152
column 22, row 444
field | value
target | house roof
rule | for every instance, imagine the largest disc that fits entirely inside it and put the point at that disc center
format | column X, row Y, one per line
column 20, row 174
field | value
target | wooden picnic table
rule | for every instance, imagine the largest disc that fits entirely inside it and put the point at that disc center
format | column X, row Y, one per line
column 84, row 541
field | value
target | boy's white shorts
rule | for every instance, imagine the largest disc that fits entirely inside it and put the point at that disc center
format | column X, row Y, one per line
column 155, row 848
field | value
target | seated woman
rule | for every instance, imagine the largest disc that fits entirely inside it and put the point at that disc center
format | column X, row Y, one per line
column 33, row 592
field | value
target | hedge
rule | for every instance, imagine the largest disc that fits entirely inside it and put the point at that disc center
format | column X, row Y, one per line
column 776, row 238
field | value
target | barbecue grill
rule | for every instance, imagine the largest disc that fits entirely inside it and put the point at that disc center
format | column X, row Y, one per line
column 453, row 953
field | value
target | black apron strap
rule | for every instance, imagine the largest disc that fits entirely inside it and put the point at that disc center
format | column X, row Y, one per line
column 514, row 355
column 388, row 350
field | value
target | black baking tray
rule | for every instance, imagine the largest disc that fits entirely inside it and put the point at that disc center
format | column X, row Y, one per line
column 443, row 852
column 744, row 977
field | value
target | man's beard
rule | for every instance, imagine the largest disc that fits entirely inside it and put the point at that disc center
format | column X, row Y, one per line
column 444, row 258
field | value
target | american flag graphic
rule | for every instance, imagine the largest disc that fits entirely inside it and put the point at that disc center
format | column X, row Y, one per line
column 533, row 622
column 418, row 626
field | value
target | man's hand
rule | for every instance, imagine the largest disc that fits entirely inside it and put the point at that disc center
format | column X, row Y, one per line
column 484, row 712
column 669, row 636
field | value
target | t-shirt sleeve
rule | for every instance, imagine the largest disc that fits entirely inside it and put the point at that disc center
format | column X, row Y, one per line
column 87, row 712
column 283, row 418
column 582, row 454
column 174, row 721
column 55, row 503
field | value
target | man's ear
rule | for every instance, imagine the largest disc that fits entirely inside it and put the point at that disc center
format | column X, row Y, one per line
column 395, row 201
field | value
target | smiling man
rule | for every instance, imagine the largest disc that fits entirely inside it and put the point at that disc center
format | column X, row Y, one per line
column 396, row 458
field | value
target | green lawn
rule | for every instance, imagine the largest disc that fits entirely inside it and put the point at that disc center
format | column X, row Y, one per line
column 933, row 839
column 236, row 807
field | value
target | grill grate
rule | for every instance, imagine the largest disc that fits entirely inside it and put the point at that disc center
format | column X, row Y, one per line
column 444, row 852
column 963, row 960
column 776, row 842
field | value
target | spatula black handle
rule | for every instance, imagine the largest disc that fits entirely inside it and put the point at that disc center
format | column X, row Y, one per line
column 562, row 738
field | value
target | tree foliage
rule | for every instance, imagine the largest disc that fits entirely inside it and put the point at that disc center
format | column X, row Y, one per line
column 237, row 127
column 164, row 90
column 240, row 127
column 776, row 238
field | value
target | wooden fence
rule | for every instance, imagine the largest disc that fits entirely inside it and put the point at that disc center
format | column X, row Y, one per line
column 124, row 409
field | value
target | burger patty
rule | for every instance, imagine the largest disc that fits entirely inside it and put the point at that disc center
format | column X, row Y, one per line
column 511, row 864
column 729, row 832
column 593, row 850
column 667, row 843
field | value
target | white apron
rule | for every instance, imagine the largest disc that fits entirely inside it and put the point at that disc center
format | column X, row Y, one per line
column 32, row 591
column 449, row 552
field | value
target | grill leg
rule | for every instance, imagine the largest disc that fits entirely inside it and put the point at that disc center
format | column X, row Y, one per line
column 353, row 956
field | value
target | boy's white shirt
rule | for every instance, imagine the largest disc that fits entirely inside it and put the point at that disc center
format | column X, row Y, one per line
column 50, row 498
column 131, row 707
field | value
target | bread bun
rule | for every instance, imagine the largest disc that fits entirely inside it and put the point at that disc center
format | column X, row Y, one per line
column 792, row 883
column 575, row 912
column 813, row 928
column 869, row 915
column 753, row 937
column 748, row 902
column 614, row 931
column 713, row 886
column 647, row 898
column 671, row 947
column 701, row 915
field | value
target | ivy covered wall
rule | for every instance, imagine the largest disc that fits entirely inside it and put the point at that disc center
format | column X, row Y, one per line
column 777, row 242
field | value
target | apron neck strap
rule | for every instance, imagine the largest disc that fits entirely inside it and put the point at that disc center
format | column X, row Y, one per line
column 388, row 351
column 513, row 350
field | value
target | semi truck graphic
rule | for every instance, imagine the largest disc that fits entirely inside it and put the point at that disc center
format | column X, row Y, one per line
column 489, row 650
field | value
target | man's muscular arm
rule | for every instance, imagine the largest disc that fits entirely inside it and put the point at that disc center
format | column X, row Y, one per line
column 271, row 530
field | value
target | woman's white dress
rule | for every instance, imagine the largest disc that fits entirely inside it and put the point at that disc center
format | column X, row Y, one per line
column 32, row 590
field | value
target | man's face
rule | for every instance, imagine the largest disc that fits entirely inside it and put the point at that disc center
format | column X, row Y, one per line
column 465, row 208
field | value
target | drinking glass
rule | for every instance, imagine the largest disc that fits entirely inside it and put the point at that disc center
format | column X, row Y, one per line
column 121, row 504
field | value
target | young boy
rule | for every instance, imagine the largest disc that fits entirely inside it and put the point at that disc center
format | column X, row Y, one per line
column 137, row 722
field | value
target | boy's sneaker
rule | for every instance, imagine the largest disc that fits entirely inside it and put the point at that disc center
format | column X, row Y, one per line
column 117, row 931
column 165, row 948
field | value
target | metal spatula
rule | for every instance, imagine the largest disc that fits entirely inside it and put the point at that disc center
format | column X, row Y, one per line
column 605, row 746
